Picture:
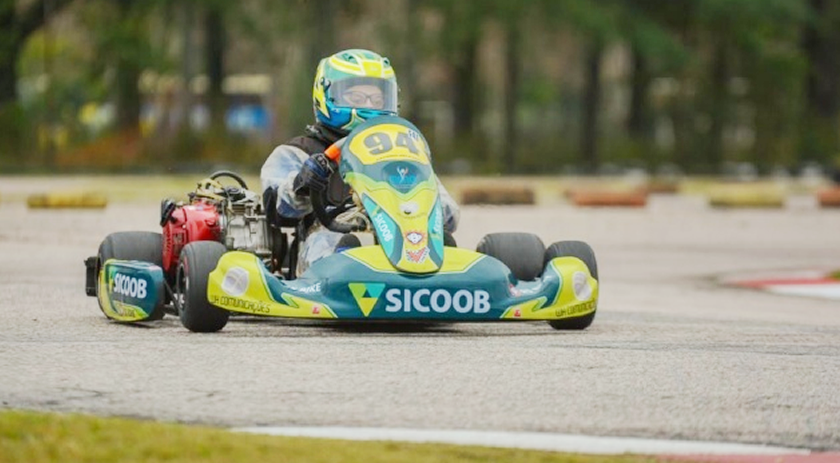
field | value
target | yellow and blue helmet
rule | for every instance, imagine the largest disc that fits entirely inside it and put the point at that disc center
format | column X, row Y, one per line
column 353, row 86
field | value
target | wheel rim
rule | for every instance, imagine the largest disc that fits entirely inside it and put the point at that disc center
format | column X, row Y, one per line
column 181, row 288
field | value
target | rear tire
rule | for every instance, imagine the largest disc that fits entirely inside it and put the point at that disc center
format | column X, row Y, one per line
column 522, row 253
column 196, row 262
column 584, row 252
column 142, row 246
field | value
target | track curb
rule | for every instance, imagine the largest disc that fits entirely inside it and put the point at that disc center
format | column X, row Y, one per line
column 673, row 450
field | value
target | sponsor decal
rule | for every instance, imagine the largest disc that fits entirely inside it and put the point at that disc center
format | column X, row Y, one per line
column 418, row 256
column 517, row 313
column 316, row 309
column 236, row 281
column 575, row 310
column 241, row 304
column 402, row 178
column 382, row 226
column 414, row 135
column 581, row 287
column 130, row 286
column 415, row 237
column 440, row 301
column 366, row 295
column 129, row 311
column 409, row 208
column 316, row 288
column 437, row 227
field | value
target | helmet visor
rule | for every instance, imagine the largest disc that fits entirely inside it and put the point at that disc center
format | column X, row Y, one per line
column 364, row 93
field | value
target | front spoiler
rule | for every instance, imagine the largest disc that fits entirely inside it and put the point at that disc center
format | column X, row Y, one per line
column 360, row 284
column 130, row 291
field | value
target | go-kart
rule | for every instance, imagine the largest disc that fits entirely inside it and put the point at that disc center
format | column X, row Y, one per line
column 408, row 273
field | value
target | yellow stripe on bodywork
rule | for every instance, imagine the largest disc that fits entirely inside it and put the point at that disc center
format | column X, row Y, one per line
column 382, row 190
column 456, row 260
column 525, row 310
column 565, row 304
column 256, row 298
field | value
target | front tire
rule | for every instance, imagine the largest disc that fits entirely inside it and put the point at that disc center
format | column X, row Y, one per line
column 522, row 253
column 584, row 252
column 196, row 262
column 135, row 245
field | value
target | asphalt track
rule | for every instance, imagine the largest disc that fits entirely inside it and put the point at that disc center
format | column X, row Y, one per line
column 672, row 354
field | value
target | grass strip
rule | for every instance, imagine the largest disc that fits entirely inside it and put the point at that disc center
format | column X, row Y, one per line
column 35, row 437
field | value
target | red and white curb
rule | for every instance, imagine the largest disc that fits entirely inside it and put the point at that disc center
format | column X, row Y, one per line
column 808, row 283
column 676, row 450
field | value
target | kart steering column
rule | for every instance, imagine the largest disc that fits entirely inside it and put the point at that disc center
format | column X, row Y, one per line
column 319, row 200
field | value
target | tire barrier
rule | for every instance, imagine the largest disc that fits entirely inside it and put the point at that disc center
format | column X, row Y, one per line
column 829, row 197
column 746, row 196
column 66, row 201
column 607, row 198
column 500, row 196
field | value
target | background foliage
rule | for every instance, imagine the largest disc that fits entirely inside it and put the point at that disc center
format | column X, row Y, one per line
column 498, row 86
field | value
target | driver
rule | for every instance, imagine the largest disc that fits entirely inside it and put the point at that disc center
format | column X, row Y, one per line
column 350, row 87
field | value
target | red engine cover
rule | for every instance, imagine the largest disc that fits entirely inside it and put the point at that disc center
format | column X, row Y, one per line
column 194, row 222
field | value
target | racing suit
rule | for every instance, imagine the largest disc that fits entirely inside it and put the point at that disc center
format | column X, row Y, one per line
column 279, row 172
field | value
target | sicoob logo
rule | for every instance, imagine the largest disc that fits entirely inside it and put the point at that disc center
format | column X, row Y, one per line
column 381, row 225
column 439, row 300
column 366, row 295
column 130, row 286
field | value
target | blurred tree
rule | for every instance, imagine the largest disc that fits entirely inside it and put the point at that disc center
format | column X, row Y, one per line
column 722, row 80
column 589, row 156
column 597, row 25
column 650, row 28
column 742, row 41
column 820, row 45
column 215, row 47
column 511, row 15
column 410, row 55
column 128, row 66
column 458, row 43
column 17, row 23
column 119, row 30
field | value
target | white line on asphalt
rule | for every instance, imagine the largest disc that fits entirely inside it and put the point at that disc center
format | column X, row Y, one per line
column 531, row 440
column 825, row 291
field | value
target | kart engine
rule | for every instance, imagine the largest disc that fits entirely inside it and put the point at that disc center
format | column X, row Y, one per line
column 230, row 215
column 243, row 224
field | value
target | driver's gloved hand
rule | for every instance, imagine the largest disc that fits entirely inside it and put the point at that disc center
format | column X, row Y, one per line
column 314, row 175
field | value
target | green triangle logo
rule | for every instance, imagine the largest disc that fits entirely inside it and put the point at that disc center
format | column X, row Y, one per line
column 366, row 295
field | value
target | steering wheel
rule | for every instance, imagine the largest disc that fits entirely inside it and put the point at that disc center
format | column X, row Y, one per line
column 320, row 201
column 231, row 175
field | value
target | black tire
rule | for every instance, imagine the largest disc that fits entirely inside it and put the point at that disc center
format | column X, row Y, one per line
column 585, row 253
column 142, row 246
column 449, row 240
column 522, row 253
column 348, row 241
column 196, row 262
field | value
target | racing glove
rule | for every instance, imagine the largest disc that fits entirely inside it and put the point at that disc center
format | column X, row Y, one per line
column 314, row 175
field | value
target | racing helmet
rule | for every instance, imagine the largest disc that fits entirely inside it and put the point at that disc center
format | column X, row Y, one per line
column 353, row 86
